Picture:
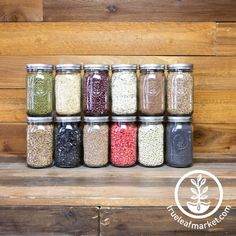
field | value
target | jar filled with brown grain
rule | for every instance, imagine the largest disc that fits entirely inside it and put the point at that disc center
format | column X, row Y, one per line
column 152, row 89
column 180, row 89
column 39, row 142
column 96, row 141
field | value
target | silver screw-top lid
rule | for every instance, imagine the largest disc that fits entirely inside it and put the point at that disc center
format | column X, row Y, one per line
column 46, row 119
column 180, row 67
column 124, row 118
column 180, row 119
column 152, row 67
column 124, row 67
column 96, row 67
column 68, row 119
column 151, row 119
column 97, row 119
column 30, row 67
column 60, row 67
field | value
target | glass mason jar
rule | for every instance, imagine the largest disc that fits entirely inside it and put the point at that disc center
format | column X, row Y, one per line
column 68, row 89
column 123, row 141
column 124, row 89
column 151, row 141
column 152, row 89
column 39, row 86
column 39, row 142
column 96, row 90
column 179, row 151
column 96, row 141
column 68, row 142
column 180, row 89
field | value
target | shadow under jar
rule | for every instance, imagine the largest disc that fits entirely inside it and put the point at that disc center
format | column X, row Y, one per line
column 96, row 90
column 68, row 142
column 180, row 89
column 151, row 89
column 39, row 142
column 68, row 89
column 96, row 141
column 124, row 89
column 179, row 150
column 123, row 141
column 39, row 81
column 151, row 141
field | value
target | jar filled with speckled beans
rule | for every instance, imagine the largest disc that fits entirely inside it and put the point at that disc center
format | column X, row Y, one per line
column 124, row 89
column 39, row 142
column 96, row 90
column 179, row 151
column 96, row 141
column 123, row 141
column 180, row 89
column 68, row 89
column 151, row 141
column 39, row 89
column 152, row 89
column 68, row 142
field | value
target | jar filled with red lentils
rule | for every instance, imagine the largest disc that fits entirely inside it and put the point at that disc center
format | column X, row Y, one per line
column 96, row 90
column 123, row 141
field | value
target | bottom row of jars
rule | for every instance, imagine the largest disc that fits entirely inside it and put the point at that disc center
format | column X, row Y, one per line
column 68, row 145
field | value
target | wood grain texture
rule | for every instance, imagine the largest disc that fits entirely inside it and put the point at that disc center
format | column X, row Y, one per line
column 107, row 38
column 208, row 138
column 157, row 221
column 23, row 10
column 136, row 10
column 82, row 186
column 226, row 39
column 210, row 72
column 44, row 220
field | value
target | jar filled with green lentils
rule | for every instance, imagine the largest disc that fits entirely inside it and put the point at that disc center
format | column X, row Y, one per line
column 39, row 89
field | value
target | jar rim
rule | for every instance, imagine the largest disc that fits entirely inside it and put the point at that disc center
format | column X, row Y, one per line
column 30, row 67
column 96, row 67
column 98, row 119
column 124, row 67
column 60, row 67
column 123, row 118
column 68, row 119
column 46, row 119
column 180, row 119
column 151, row 118
column 152, row 67
column 180, row 66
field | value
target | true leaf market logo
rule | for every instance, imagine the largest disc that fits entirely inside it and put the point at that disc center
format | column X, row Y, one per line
column 198, row 195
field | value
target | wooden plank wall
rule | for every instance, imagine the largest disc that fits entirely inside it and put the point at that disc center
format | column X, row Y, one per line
column 118, row 31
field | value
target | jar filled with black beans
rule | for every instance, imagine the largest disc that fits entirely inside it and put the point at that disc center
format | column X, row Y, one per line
column 96, row 90
column 179, row 151
column 68, row 142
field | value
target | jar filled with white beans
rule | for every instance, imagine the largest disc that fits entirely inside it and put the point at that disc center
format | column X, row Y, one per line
column 151, row 141
column 124, row 89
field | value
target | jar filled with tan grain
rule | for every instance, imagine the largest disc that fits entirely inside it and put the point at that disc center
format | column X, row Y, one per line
column 180, row 89
column 39, row 142
column 151, row 89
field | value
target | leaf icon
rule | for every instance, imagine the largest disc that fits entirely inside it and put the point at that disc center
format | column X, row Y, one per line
column 204, row 197
column 194, row 191
column 193, row 182
column 194, row 197
column 204, row 190
column 203, row 181
column 199, row 178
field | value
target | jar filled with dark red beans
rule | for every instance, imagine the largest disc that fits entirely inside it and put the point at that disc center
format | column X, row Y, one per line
column 123, row 141
column 96, row 90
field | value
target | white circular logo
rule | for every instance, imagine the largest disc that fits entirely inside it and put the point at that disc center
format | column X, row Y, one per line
column 199, row 201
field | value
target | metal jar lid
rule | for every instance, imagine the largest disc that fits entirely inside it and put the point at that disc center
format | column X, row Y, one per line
column 60, row 67
column 96, row 119
column 180, row 67
column 68, row 119
column 46, row 119
column 124, row 67
column 34, row 67
column 96, row 67
column 152, row 67
column 123, row 118
column 180, row 119
column 151, row 119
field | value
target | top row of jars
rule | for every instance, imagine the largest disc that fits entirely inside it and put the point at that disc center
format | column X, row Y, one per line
column 129, row 95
